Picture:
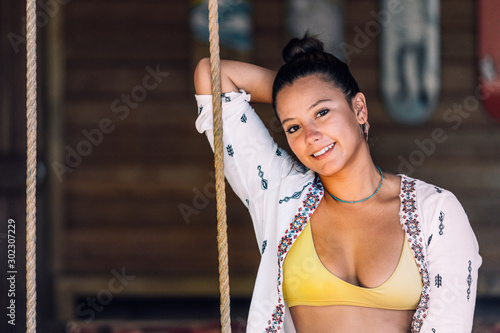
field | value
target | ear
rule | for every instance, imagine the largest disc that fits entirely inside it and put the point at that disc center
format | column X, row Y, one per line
column 360, row 109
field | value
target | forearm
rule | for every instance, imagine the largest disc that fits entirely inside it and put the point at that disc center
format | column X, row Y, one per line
column 235, row 75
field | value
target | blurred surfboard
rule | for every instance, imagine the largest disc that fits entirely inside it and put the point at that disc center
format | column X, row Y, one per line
column 320, row 17
column 235, row 23
column 410, row 59
column 489, row 55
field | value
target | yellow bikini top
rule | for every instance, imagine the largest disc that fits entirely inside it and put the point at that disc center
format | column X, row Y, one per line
column 307, row 282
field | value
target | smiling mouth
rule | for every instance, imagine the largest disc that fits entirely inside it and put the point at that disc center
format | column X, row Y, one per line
column 324, row 150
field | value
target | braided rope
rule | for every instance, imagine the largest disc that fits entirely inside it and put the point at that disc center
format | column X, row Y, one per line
column 213, row 24
column 31, row 124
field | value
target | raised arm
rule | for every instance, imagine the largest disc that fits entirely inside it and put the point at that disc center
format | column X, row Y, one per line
column 235, row 75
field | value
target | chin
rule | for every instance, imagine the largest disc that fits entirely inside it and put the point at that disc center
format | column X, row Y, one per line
column 326, row 170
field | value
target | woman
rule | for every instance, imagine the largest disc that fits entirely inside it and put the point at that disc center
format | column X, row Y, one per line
column 345, row 247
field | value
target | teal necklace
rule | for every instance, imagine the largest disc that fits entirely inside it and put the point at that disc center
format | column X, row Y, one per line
column 356, row 201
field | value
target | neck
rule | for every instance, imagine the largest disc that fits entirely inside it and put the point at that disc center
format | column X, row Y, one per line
column 353, row 183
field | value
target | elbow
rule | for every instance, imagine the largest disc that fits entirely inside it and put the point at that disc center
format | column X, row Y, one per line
column 202, row 80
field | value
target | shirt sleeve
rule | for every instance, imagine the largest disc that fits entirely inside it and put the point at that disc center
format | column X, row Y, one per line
column 453, row 262
column 253, row 162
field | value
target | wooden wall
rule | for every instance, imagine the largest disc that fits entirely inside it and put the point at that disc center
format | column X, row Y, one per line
column 119, row 204
column 468, row 161
column 12, row 164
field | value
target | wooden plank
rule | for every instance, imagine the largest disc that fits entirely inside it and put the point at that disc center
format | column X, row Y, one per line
column 122, row 144
column 138, row 83
column 458, row 15
column 129, row 11
column 121, row 48
column 170, row 48
column 268, row 47
column 124, row 177
column 468, row 140
column 131, row 210
column 458, row 44
column 444, row 172
column 358, row 13
column 150, row 189
column 130, row 29
column 269, row 16
column 152, row 113
column 179, row 251
column 457, row 75
column 68, row 287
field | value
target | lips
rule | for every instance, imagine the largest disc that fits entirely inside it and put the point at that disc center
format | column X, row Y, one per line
column 324, row 150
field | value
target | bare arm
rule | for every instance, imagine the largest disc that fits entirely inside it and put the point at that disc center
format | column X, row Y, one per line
column 235, row 75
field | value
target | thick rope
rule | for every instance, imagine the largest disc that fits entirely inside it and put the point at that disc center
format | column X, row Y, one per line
column 213, row 24
column 31, row 123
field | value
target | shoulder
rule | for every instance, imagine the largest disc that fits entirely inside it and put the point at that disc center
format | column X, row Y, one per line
column 433, row 200
column 429, row 193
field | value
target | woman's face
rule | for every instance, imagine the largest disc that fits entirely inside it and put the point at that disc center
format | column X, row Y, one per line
column 321, row 128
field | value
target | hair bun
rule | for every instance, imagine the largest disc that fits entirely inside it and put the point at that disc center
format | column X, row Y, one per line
column 301, row 48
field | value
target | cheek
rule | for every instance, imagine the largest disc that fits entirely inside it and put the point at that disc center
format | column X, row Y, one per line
column 350, row 126
column 294, row 145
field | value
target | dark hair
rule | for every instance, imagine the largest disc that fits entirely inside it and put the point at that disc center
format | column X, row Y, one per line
column 307, row 56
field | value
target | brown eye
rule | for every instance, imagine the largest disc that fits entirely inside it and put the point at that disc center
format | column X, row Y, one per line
column 322, row 113
column 292, row 129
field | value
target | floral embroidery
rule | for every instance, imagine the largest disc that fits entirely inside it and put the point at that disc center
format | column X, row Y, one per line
column 243, row 118
column 412, row 227
column 201, row 109
column 441, row 225
column 311, row 201
column 409, row 205
column 425, row 302
column 263, row 182
column 295, row 195
column 438, row 190
column 277, row 319
column 230, row 150
column 297, row 223
column 411, row 224
column 296, row 226
column 417, row 251
column 278, row 313
column 264, row 245
column 429, row 241
column 278, row 152
column 408, row 186
column 286, row 241
column 416, row 325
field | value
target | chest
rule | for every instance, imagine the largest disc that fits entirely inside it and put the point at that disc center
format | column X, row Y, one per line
column 360, row 245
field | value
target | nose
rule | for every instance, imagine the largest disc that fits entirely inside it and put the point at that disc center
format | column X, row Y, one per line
column 312, row 134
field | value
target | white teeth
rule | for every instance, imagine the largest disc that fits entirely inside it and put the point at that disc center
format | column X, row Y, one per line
column 324, row 150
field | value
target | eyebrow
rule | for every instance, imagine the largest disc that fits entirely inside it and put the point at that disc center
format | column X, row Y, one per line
column 312, row 106
column 318, row 102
